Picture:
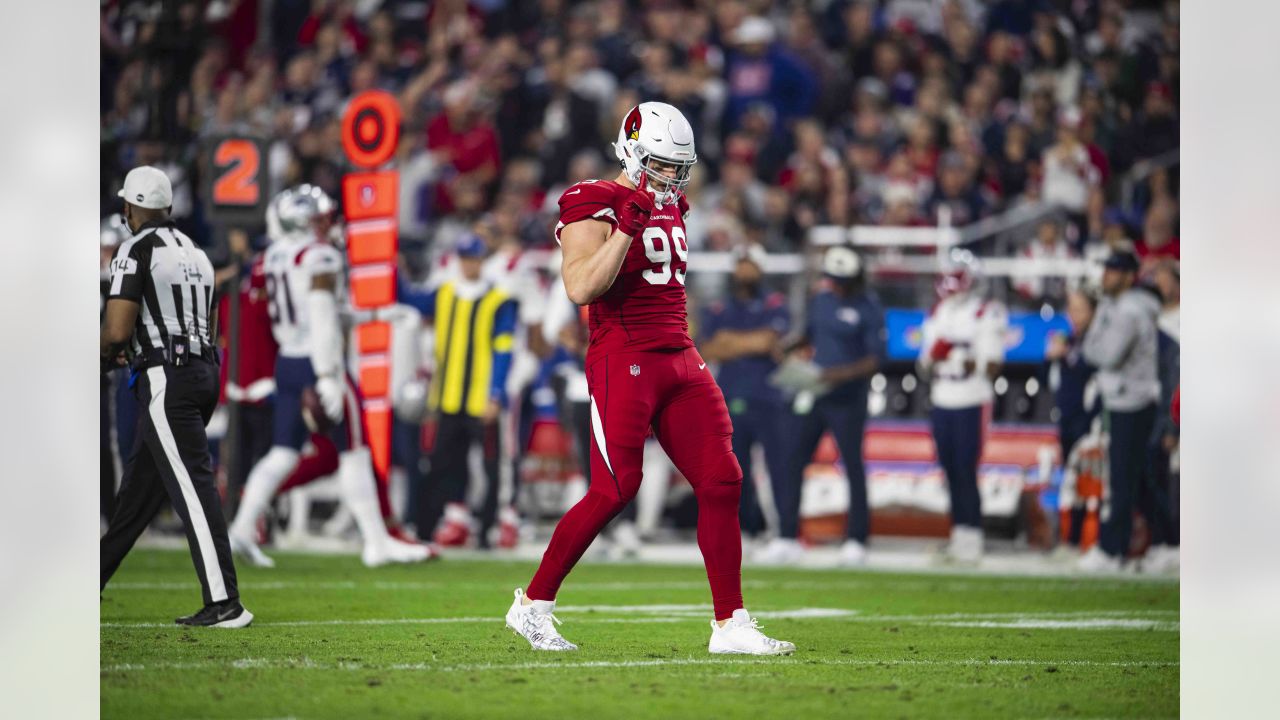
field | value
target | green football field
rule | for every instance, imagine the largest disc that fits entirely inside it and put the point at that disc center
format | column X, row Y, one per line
column 332, row 639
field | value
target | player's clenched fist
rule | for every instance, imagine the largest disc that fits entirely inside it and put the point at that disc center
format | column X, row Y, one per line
column 634, row 213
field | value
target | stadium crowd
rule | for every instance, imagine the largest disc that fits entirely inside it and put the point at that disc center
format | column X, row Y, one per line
column 895, row 113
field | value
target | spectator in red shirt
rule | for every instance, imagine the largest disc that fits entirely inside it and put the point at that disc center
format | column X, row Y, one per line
column 255, row 377
column 1158, row 239
column 340, row 13
column 465, row 141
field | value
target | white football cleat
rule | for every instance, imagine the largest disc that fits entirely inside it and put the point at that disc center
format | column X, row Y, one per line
column 1097, row 561
column 966, row 545
column 1161, row 559
column 780, row 551
column 853, row 554
column 388, row 550
column 741, row 636
column 412, row 551
column 536, row 624
column 244, row 546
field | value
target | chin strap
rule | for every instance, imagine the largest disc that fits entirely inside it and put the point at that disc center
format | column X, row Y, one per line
column 326, row 335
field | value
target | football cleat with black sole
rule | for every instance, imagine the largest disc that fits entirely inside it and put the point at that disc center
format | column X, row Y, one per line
column 226, row 614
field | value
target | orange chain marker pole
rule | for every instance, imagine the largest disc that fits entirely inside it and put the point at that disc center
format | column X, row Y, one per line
column 370, row 134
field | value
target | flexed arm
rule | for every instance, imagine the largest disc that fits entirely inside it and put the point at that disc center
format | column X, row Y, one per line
column 593, row 256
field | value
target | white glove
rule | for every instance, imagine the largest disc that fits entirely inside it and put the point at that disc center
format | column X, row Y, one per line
column 411, row 401
column 331, row 396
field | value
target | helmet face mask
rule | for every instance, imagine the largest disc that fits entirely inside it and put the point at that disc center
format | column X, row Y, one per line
column 658, row 171
column 654, row 139
column 953, row 283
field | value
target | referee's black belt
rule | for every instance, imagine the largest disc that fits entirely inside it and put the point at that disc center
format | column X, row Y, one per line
column 160, row 356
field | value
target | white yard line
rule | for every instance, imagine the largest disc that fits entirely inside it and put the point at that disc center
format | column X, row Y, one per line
column 698, row 610
column 914, row 557
column 308, row 664
column 770, row 661
column 416, row 585
column 1074, row 624
column 937, row 617
column 845, row 582
column 276, row 585
column 1074, row 620
column 817, row 613
column 317, row 623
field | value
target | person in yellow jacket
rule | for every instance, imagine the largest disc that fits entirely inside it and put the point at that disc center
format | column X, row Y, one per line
column 474, row 326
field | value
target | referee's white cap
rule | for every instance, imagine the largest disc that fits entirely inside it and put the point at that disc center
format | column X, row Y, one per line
column 147, row 187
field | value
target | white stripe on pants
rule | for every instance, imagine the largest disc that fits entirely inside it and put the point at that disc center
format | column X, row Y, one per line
column 195, row 511
column 351, row 403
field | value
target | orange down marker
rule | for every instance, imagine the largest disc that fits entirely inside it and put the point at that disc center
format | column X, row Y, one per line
column 370, row 134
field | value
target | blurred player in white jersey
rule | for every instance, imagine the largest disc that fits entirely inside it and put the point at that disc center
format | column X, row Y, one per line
column 962, row 350
column 304, row 273
column 516, row 271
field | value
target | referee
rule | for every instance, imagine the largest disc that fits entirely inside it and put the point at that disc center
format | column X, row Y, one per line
column 159, row 308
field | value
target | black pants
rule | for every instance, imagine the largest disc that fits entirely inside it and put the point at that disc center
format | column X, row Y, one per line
column 763, row 422
column 106, row 454
column 1070, row 430
column 447, row 481
column 845, row 415
column 957, row 435
column 1131, row 480
column 1158, row 500
column 119, row 413
column 171, row 457
column 406, row 451
column 252, row 443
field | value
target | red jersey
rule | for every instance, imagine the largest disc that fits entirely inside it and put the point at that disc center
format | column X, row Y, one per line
column 1171, row 249
column 257, row 344
column 644, row 309
column 469, row 150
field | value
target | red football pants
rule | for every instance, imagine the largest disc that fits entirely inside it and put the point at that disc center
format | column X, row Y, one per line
column 674, row 394
column 322, row 461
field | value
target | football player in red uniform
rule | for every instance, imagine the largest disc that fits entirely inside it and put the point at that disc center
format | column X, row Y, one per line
column 625, row 256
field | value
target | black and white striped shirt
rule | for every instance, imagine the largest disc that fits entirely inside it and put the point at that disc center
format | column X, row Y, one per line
column 162, row 269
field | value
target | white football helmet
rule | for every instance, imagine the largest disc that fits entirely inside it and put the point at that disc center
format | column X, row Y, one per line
column 656, row 131
column 959, row 272
column 291, row 215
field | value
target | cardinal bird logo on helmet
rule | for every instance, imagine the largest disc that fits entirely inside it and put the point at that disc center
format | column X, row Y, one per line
column 632, row 123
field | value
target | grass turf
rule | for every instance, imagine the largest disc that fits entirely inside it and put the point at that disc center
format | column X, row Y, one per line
column 332, row 639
